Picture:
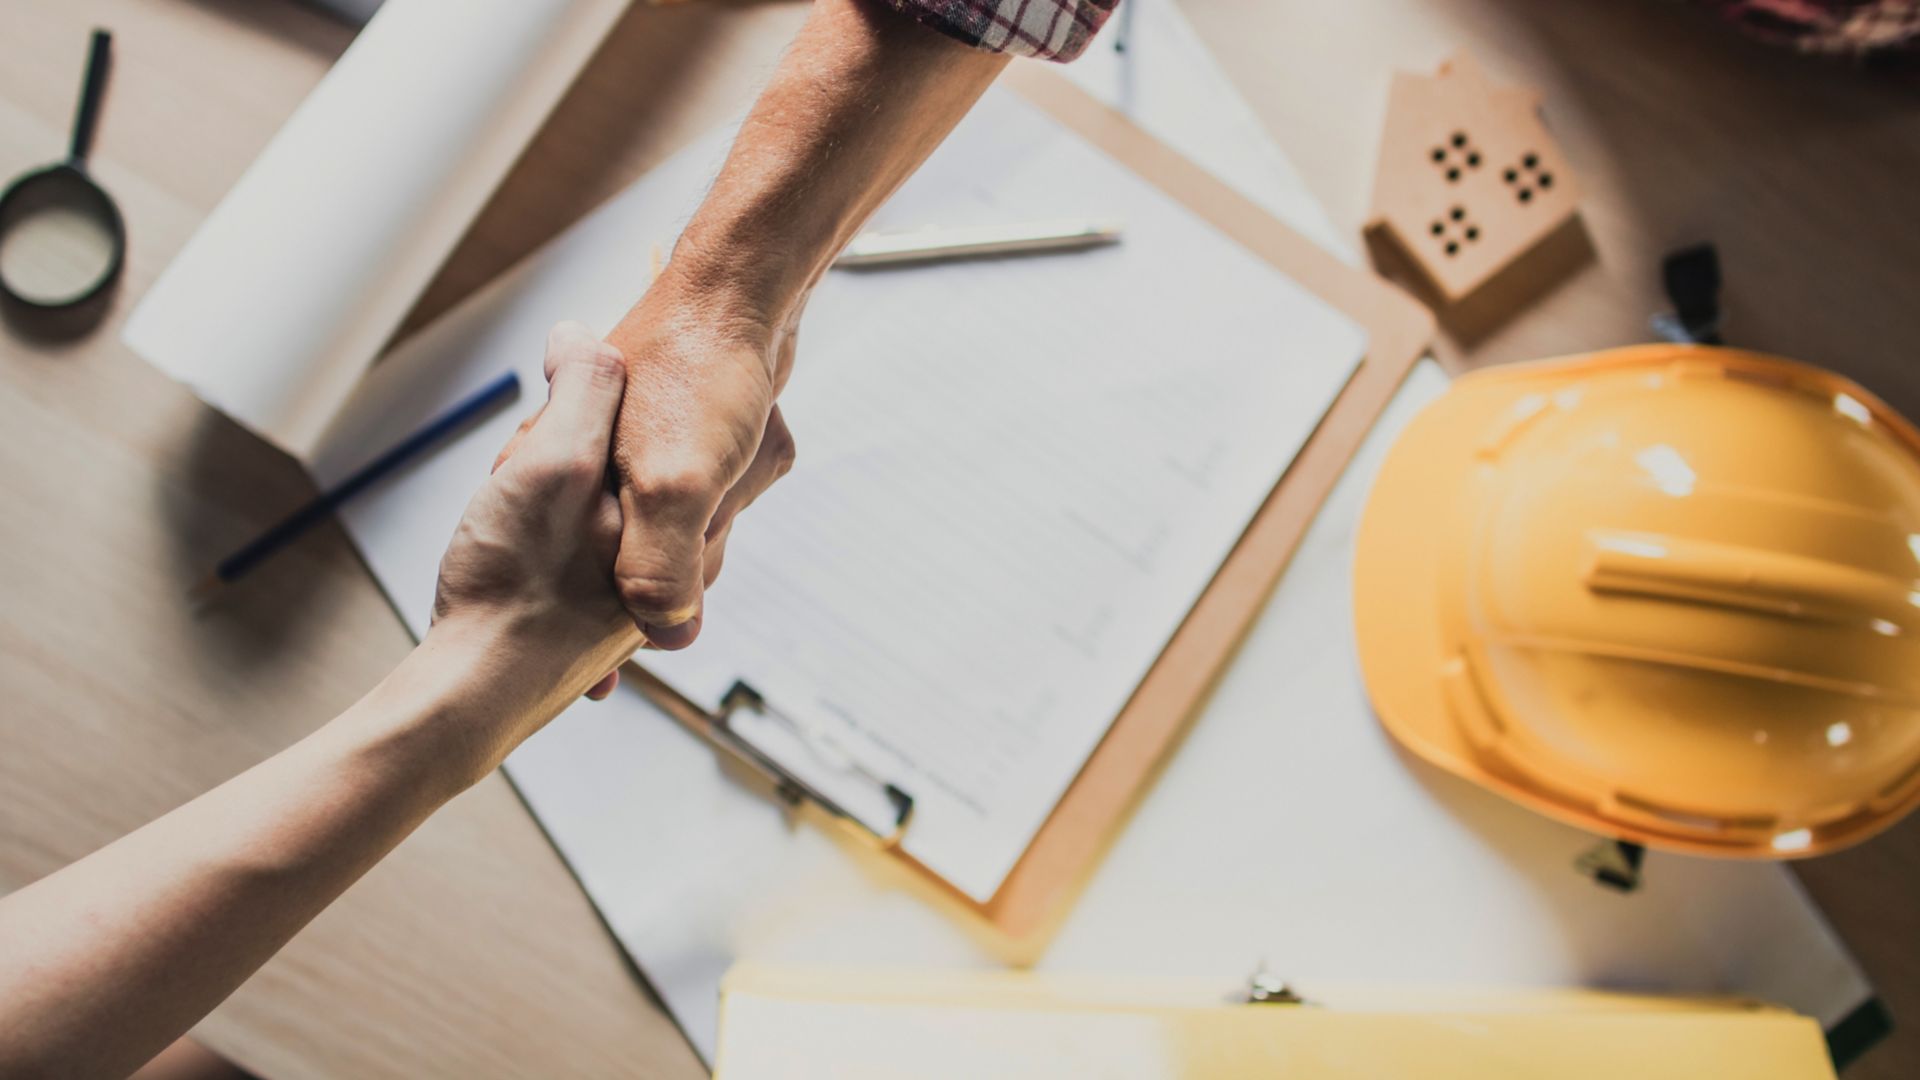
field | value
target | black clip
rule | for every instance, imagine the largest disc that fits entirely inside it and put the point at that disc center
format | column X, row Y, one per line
column 1266, row 988
column 1614, row 863
column 1692, row 279
column 791, row 788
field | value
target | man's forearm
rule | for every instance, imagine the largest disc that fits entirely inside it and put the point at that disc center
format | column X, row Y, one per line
column 859, row 101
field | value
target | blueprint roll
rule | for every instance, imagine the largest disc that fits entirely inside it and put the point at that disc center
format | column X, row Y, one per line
column 280, row 302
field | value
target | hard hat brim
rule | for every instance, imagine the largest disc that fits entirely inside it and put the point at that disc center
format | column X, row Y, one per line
column 1398, row 562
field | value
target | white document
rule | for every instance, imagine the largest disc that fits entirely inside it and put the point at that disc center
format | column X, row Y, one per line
column 281, row 300
column 1017, row 477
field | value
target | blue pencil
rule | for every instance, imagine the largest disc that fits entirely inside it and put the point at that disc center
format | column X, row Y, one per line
column 482, row 401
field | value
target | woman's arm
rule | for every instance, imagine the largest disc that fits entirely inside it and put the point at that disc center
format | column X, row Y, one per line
column 111, row 958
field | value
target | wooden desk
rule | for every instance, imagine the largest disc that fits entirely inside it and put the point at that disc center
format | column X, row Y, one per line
column 470, row 951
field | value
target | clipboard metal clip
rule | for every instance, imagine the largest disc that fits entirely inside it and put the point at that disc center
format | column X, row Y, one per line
column 1266, row 988
column 789, row 785
column 1615, row 864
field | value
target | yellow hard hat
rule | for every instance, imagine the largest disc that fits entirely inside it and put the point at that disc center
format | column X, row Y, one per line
column 1670, row 594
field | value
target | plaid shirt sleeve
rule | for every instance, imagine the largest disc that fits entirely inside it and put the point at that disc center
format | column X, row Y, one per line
column 1049, row 29
column 1844, row 27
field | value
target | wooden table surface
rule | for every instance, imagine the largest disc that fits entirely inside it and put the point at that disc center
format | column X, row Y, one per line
column 470, row 951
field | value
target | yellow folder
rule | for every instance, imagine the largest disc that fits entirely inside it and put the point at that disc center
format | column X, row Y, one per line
column 798, row 1025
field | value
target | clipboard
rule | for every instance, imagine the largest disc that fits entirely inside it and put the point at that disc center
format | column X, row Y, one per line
column 1068, row 845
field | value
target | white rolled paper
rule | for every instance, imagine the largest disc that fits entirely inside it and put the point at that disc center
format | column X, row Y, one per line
column 278, row 304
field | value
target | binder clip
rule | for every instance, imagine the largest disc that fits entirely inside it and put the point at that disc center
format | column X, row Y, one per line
column 1692, row 279
column 790, row 787
column 1613, row 863
column 1266, row 988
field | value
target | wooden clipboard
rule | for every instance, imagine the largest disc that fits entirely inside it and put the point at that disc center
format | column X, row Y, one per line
column 1068, row 845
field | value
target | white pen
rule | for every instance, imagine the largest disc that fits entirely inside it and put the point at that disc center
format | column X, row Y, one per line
column 963, row 241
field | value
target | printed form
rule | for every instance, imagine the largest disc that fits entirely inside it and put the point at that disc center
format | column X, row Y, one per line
column 1016, row 476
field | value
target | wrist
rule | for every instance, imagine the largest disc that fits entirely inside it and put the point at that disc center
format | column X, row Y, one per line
column 435, row 717
column 863, row 97
column 743, row 271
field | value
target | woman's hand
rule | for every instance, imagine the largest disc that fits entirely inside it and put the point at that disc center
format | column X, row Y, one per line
column 526, row 588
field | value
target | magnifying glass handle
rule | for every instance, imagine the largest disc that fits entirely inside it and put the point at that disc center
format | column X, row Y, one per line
column 90, row 93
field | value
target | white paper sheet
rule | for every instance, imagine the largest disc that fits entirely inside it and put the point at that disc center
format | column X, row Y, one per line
column 1018, row 476
column 278, row 304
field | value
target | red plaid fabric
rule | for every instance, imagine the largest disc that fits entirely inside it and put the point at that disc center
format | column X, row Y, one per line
column 1845, row 27
column 1049, row 29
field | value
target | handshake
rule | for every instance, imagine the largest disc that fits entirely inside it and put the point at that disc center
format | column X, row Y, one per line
column 608, row 512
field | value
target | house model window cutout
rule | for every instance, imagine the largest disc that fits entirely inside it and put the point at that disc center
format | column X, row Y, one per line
column 1469, row 181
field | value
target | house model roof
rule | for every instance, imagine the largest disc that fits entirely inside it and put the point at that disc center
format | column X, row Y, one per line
column 1469, row 179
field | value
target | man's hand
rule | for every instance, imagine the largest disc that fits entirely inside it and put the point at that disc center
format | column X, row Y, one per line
column 861, row 99
column 698, row 440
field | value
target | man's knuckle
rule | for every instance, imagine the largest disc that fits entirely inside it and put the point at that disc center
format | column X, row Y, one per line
column 671, row 484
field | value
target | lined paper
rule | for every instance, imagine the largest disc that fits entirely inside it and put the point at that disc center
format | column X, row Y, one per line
column 1016, row 477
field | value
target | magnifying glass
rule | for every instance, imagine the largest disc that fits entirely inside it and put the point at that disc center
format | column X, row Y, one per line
column 61, row 237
